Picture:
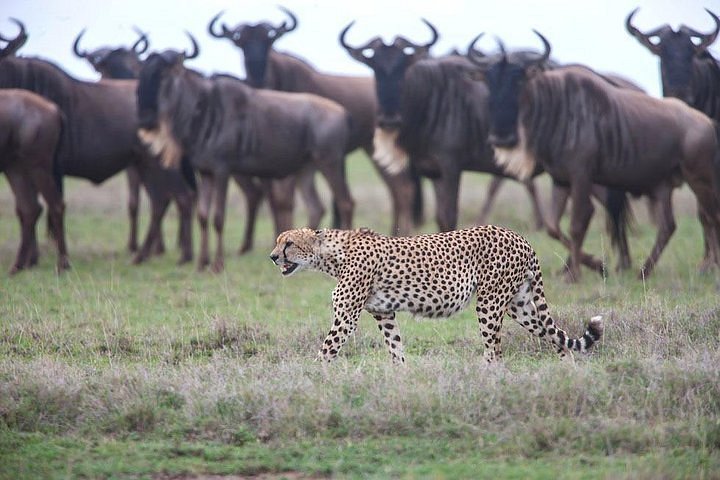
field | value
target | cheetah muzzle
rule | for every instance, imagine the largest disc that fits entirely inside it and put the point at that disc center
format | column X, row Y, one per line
column 430, row 276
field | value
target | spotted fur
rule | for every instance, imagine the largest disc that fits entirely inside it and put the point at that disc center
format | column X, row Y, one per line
column 430, row 276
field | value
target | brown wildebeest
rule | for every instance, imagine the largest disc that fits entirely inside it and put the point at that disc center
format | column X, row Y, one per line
column 125, row 63
column 688, row 69
column 222, row 126
column 269, row 68
column 30, row 129
column 445, row 125
column 582, row 129
column 99, row 137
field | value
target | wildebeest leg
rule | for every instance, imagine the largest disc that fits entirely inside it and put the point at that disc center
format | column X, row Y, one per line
column 535, row 201
column 582, row 212
column 316, row 210
column 560, row 196
column 402, row 192
column 220, row 190
column 133, row 180
column 334, row 173
column 205, row 192
column 158, row 206
column 185, row 201
column 253, row 197
column 281, row 196
column 56, row 212
column 662, row 196
column 446, row 203
column 492, row 192
column 28, row 210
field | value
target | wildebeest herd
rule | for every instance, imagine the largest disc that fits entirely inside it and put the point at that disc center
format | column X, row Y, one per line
column 515, row 114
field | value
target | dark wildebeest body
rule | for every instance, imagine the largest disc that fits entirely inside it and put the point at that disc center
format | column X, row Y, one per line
column 234, row 129
column 430, row 112
column 268, row 68
column 99, row 136
column 688, row 70
column 122, row 64
column 30, row 128
column 582, row 129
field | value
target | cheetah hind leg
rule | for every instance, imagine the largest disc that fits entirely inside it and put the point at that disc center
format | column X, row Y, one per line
column 529, row 308
column 391, row 334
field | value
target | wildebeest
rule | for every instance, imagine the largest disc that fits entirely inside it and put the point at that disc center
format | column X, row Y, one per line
column 224, row 126
column 99, row 135
column 269, row 68
column 30, row 129
column 688, row 69
column 582, row 129
column 429, row 110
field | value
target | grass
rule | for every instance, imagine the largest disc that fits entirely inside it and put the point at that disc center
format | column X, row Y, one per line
column 157, row 371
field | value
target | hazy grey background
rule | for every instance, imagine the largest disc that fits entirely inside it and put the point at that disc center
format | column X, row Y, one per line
column 591, row 32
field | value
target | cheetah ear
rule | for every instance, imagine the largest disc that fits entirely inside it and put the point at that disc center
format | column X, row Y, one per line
column 320, row 234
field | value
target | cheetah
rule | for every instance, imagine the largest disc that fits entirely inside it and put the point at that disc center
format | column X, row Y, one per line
column 432, row 275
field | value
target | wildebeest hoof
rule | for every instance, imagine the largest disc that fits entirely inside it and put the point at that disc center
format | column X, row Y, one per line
column 62, row 265
column 14, row 269
column 218, row 266
column 159, row 249
column 245, row 248
column 138, row 259
column 132, row 247
column 185, row 259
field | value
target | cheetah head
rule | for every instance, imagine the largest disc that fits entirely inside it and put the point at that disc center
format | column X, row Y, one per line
column 295, row 250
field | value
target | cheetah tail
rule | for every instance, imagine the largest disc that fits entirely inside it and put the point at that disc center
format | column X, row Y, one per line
column 592, row 335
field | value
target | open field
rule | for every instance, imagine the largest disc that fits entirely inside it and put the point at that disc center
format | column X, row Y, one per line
column 156, row 371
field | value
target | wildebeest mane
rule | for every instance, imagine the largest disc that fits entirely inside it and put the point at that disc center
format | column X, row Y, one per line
column 565, row 103
column 706, row 79
column 41, row 77
column 440, row 101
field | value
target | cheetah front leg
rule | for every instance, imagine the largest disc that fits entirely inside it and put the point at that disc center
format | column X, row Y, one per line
column 391, row 333
column 348, row 301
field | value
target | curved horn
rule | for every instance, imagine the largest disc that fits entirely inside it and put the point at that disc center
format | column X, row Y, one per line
column 196, row 49
column 143, row 40
column 434, row 31
column 640, row 36
column 706, row 39
column 15, row 43
column 546, row 54
column 76, row 45
column 341, row 39
column 226, row 33
column 283, row 28
column 474, row 55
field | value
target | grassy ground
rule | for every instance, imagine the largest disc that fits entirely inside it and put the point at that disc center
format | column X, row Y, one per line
column 156, row 371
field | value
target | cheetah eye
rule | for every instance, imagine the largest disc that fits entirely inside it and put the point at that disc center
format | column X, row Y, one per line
column 289, row 244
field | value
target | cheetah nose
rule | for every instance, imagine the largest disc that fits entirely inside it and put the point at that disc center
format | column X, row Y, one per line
column 274, row 258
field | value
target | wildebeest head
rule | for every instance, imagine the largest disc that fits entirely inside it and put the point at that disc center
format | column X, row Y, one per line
column 155, row 71
column 13, row 44
column 676, row 50
column 389, row 63
column 118, row 62
column 255, row 40
column 505, row 78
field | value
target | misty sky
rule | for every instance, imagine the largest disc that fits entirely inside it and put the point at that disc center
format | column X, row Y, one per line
column 590, row 32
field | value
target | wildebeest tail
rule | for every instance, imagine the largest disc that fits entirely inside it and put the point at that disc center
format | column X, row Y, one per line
column 418, row 205
column 187, row 172
column 619, row 215
column 57, row 167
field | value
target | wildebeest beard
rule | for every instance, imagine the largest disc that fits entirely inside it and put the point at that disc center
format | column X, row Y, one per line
column 155, row 127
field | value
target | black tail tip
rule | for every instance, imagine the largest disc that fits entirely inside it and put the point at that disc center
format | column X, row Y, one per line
column 595, row 328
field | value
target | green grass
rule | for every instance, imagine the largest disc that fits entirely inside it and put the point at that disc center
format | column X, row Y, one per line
column 157, row 371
